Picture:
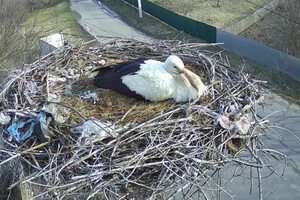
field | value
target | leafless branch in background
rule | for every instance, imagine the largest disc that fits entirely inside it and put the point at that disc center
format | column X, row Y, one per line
column 18, row 41
column 292, row 27
column 282, row 29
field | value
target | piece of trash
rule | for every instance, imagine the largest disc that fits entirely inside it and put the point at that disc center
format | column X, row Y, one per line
column 232, row 109
column 13, row 129
column 183, row 107
column 54, row 79
column 41, row 129
column 53, row 97
column 94, row 130
column 73, row 73
column 31, row 87
column 4, row 119
column 224, row 122
column 99, row 62
column 70, row 73
column 90, row 95
column 68, row 89
column 102, row 62
column 59, row 113
column 242, row 125
column 107, row 11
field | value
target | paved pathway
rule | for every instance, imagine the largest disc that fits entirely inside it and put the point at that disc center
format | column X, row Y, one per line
column 100, row 22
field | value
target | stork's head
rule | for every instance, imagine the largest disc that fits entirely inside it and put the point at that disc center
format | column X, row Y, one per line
column 175, row 67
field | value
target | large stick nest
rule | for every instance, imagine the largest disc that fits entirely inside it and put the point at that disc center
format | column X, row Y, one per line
column 140, row 149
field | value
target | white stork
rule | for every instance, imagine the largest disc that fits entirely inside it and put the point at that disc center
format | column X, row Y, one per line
column 152, row 80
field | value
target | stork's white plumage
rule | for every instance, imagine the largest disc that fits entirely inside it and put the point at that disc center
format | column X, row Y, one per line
column 152, row 80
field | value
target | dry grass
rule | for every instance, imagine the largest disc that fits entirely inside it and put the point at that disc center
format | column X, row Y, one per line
column 220, row 15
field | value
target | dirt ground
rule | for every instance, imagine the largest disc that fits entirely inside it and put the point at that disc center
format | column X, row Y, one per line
column 219, row 13
column 278, row 29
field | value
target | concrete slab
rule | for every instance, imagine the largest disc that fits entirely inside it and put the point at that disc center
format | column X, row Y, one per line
column 285, row 138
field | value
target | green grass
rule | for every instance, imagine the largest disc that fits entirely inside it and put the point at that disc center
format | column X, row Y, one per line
column 55, row 19
column 282, row 84
column 148, row 24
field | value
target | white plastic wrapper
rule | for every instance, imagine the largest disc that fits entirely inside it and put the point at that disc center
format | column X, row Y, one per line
column 94, row 130
column 4, row 119
column 241, row 126
column 90, row 95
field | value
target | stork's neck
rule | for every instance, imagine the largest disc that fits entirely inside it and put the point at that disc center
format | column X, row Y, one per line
column 184, row 91
column 189, row 86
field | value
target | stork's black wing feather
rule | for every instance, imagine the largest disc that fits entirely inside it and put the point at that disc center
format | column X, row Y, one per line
column 111, row 77
column 124, row 68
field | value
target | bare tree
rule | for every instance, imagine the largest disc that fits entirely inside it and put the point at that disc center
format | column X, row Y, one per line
column 17, row 42
column 282, row 30
column 291, row 27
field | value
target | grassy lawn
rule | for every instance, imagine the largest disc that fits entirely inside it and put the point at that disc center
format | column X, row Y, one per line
column 218, row 13
column 55, row 19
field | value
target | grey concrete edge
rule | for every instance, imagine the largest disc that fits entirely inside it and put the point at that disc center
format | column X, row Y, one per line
column 242, row 25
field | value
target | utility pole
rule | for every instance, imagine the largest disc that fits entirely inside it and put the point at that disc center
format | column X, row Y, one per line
column 140, row 8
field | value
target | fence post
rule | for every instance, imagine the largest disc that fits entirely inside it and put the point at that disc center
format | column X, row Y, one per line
column 140, row 8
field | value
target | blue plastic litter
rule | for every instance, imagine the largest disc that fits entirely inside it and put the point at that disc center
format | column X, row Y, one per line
column 183, row 107
column 13, row 129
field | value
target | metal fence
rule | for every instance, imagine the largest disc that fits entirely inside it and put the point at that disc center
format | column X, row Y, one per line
column 261, row 53
column 189, row 26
